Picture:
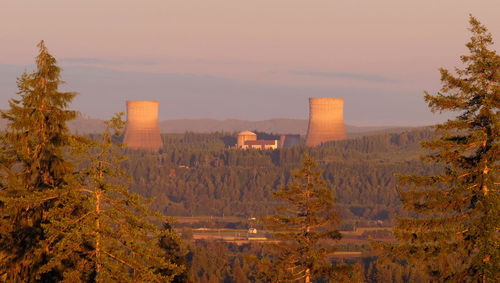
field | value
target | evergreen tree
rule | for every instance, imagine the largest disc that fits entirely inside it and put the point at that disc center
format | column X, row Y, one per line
column 33, row 166
column 301, row 226
column 453, row 230
column 175, row 252
column 112, row 237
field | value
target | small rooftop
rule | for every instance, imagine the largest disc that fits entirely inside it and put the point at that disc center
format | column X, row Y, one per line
column 246, row 133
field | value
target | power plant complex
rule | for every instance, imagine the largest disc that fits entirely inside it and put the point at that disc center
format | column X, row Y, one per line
column 143, row 130
column 326, row 123
column 326, row 120
column 248, row 140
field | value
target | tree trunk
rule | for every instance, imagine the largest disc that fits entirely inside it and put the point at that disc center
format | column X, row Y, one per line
column 98, row 233
column 308, row 276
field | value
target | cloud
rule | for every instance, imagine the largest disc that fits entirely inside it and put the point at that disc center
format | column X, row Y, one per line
column 354, row 76
column 101, row 61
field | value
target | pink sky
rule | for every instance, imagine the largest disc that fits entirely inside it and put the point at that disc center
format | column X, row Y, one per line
column 392, row 45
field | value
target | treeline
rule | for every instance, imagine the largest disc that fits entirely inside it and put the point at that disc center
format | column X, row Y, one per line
column 217, row 261
column 199, row 174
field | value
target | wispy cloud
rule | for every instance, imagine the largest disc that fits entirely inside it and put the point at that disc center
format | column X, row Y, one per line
column 101, row 61
column 354, row 76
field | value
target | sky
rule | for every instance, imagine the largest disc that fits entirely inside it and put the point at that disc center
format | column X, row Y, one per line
column 251, row 60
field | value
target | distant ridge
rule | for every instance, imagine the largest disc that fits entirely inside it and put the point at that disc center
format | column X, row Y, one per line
column 83, row 125
column 277, row 126
column 80, row 125
column 285, row 126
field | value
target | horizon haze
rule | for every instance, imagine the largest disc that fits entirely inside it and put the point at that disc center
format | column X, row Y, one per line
column 234, row 60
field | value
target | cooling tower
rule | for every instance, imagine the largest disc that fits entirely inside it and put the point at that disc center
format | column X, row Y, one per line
column 142, row 131
column 326, row 120
column 287, row 141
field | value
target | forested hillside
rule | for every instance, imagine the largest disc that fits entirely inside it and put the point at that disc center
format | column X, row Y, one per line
column 198, row 174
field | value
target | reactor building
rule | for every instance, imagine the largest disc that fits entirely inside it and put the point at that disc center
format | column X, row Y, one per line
column 326, row 120
column 142, row 130
column 243, row 137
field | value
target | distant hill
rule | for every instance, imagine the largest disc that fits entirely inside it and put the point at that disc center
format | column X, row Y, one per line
column 84, row 125
column 285, row 126
column 87, row 126
column 80, row 125
column 277, row 126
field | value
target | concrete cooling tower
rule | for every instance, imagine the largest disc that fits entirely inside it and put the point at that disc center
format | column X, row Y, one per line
column 326, row 120
column 287, row 141
column 143, row 130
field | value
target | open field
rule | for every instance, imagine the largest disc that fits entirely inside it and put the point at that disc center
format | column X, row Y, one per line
column 243, row 235
column 361, row 234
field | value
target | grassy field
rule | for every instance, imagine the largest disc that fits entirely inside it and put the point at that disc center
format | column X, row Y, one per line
column 264, row 235
column 353, row 243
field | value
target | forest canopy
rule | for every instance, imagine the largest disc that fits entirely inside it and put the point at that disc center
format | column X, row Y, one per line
column 199, row 174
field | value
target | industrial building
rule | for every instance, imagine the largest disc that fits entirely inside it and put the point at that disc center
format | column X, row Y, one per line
column 142, row 130
column 245, row 136
column 248, row 140
column 261, row 144
column 326, row 120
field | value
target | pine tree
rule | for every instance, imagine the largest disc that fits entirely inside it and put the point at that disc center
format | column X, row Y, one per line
column 176, row 252
column 301, row 226
column 33, row 166
column 453, row 230
column 113, row 237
